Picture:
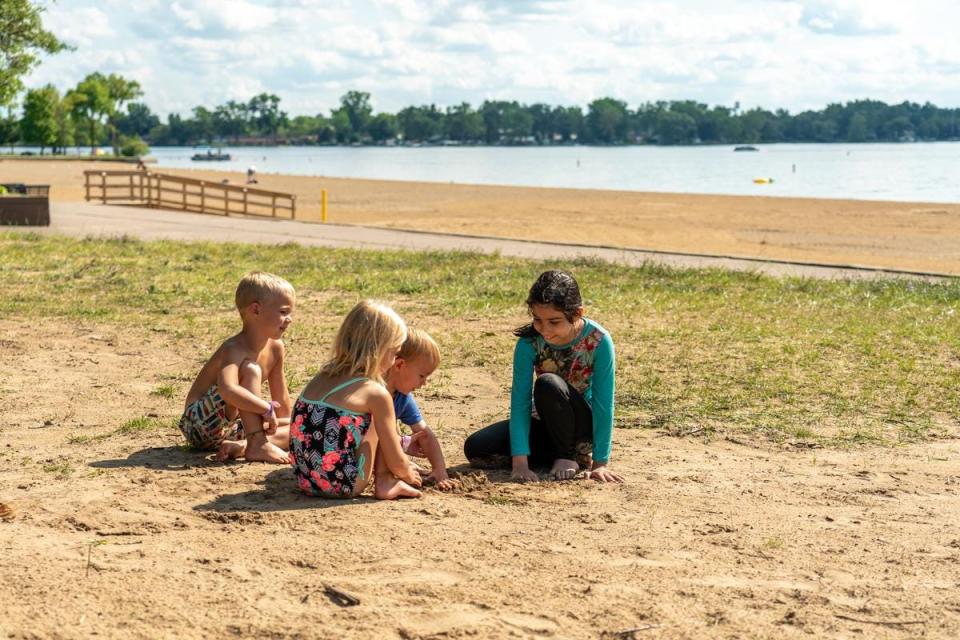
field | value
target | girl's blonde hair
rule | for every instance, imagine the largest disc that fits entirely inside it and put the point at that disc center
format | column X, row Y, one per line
column 419, row 344
column 369, row 331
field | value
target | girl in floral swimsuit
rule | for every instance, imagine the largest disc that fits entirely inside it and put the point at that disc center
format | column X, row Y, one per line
column 333, row 449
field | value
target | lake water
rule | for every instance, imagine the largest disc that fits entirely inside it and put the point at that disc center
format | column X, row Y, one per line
column 921, row 172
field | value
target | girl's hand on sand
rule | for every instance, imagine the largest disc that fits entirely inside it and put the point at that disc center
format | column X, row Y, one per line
column 600, row 473
column 443, row 483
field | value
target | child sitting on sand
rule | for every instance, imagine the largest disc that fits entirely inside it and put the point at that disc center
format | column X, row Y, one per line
column 561, row 405
column 228, row 386
column 343, row 429
column 418, row 358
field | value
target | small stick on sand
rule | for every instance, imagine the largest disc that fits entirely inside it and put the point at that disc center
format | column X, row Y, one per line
column 339, row 598
column 886, row 623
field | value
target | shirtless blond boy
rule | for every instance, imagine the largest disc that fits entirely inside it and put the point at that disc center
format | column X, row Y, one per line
column 224, row 410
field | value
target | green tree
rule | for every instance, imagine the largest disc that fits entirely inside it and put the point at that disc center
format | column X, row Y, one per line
column 383, row 127
column 356, row 105
column 119, row 92
column 9, row 129
column 857, row 128
column 231, row 120
column 203, row 125
column 90, row 105
column 420, row 124
column 463, row 123
column 265, row 114
column 39, row 123
column 138, row 121
column 22, row 39
column 607, row 121
column 674, row 127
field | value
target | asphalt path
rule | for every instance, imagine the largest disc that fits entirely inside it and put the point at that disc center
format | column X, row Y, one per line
column 90, row 219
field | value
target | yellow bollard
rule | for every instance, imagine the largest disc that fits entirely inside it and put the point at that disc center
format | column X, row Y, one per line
column 323, row 205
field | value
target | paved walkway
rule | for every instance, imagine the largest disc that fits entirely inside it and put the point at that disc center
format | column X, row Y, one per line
column 85, row 219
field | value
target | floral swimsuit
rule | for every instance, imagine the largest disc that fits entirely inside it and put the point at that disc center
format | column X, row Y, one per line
column 325, row 445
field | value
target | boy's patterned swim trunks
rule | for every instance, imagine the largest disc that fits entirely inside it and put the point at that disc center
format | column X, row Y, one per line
column 205, row 424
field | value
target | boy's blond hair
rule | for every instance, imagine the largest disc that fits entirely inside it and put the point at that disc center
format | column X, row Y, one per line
column 257, row 286
column 419, row 344
column 366, row 334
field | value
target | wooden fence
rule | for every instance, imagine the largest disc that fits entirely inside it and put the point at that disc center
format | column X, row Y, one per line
column 165, row 191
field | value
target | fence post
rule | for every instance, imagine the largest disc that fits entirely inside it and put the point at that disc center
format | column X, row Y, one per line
column 293, row 207
column 226, row 201
column 323, row 206
column 86, row 185
column 183, row 190
column 273, row 206
column 103, row 187
column 244, row 201
column 203, row 197
column 131, row 186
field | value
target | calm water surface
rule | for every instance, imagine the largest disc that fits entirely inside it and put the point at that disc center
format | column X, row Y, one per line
column 922, row 172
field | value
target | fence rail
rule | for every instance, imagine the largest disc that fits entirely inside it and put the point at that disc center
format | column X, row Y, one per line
column 165, row 191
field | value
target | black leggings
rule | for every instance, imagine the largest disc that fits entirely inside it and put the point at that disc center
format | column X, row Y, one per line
column 565, row 426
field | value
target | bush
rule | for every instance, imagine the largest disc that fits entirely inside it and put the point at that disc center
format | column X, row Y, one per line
column 132, row 147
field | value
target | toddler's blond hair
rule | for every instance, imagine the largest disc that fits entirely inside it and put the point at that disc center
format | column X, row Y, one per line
column 257, row 286
column 419, row 344
column 366, row 334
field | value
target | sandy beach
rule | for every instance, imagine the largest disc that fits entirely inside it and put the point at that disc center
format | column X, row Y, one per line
column 912, row 236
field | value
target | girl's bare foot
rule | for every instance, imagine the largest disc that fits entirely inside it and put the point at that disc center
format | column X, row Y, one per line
column 266, row 452
column 564, row 469
column 231, row 450
column 387, row 487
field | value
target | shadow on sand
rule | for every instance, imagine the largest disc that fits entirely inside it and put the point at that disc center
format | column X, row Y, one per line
column 174, row 458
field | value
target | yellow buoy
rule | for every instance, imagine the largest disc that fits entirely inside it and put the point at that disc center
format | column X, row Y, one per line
column 763, row 180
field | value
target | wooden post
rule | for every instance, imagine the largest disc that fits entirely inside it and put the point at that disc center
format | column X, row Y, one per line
column 323, row 206
column 103, row 187
column 86, row 186
column 273, row 205
column 140, row 177
column 244, row 201
column 293, row 207
column 183, row 189
column 203, row 197
column 131, row 186
column 226, row 201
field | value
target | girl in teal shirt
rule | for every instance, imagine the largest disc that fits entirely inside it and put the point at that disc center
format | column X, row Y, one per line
column 561, row 404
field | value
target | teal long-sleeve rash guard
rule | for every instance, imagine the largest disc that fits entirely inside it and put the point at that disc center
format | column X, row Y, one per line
column 587, row 363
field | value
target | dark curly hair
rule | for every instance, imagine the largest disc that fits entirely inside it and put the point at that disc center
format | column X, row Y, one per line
column 556, row 288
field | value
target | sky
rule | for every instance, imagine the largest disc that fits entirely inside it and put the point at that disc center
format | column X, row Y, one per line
column 794, row 55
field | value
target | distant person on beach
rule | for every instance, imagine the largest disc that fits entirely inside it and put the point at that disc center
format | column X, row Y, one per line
column 343, row 431
column 140, row 165
column 418, row 358
column 224, row 410
column 251, row 175
column 561, row 404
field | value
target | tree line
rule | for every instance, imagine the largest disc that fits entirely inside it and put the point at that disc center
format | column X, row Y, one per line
column 92, row 114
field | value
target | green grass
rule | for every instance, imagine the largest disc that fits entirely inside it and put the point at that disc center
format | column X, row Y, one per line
column 141, row 424
column 699, row 352
column 164, row 391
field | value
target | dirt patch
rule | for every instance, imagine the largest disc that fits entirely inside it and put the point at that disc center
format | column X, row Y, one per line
column 132, row 535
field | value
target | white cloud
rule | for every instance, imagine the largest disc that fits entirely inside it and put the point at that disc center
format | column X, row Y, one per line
column 793, row 54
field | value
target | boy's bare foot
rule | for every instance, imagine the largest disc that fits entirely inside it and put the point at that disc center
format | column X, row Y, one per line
column 387, row 487
column 266, row 452
column 564, row 469
column 231, row 450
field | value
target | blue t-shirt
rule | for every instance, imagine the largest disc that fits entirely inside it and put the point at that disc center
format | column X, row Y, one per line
column 406, row 408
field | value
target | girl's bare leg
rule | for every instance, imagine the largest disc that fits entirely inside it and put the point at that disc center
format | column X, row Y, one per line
column 387, row 486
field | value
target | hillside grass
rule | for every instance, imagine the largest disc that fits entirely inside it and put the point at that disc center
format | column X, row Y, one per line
column 703, row 351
